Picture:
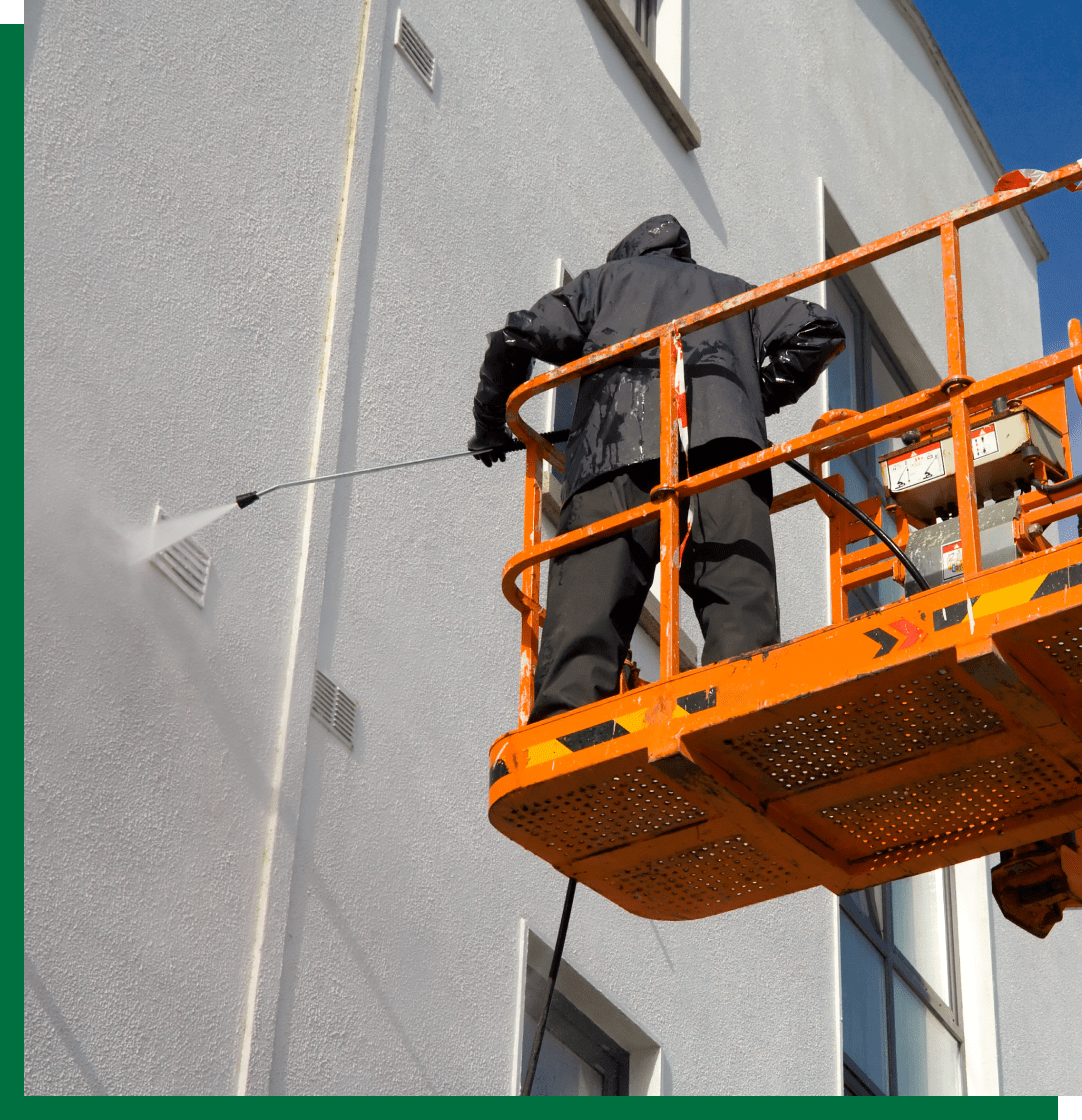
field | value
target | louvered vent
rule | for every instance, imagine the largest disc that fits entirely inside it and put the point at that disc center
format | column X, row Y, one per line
column 185, row 564
column 416, row 51
column 333, row 709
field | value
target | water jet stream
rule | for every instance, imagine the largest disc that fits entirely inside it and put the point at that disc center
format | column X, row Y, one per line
column 166, row 531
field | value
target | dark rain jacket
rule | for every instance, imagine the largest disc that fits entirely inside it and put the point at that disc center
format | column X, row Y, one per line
column 769, row 355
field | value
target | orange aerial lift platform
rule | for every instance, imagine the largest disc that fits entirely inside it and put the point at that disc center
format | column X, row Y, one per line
column 943, row 726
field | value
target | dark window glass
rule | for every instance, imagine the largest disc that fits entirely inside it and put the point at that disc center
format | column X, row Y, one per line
column 864, row 1004
column 643, row 16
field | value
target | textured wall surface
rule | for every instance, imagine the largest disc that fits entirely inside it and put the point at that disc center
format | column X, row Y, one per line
column 181, row 200
column 1038, row 994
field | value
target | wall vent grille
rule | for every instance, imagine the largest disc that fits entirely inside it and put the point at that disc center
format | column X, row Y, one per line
column 415, row 49
column 186, row 564
column 332, row 708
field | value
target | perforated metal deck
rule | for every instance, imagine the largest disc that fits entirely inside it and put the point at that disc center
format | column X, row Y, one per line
column 942, row 728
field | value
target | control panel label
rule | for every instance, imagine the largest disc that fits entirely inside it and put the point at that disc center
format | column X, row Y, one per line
column 915, row 467
column 985, row 441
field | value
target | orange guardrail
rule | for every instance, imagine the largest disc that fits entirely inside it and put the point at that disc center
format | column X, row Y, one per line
column 957, row 401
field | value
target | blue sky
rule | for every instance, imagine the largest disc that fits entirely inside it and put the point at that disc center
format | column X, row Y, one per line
column 1020, row 65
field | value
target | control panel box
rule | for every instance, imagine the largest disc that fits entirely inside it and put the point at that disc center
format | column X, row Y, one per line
column 920, row 478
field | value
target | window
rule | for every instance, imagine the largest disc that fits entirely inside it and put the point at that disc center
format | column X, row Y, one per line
column 642, row 15
column 650, row 36
column 577, row 1059
column 866, row 375
column 901, row 1018
column 561, row 400
column 591, row 1047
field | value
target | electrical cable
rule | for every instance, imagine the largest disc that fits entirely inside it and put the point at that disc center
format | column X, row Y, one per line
column 861, row 516
column 557, row 956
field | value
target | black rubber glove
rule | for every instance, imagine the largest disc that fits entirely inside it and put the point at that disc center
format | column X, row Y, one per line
column 490, row 445
column 794, row 365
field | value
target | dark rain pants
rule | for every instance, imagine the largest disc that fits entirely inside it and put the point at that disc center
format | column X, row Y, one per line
column 595, row 595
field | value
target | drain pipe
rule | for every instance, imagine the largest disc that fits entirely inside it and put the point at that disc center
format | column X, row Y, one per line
column 263, row 890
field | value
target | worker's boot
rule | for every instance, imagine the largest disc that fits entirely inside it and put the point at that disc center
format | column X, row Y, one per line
column 1035, row 883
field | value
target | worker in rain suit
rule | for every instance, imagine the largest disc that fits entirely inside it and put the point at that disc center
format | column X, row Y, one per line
column 737, row 372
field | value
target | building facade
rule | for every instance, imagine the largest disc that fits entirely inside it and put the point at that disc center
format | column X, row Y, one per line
column 265, row 241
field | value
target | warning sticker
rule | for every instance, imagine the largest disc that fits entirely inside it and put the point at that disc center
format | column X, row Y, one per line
column 985, row 441
column 952, row 560
column 915, row 467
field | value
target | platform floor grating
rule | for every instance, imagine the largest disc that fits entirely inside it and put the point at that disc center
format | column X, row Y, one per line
column 810, row 742
column 618, row 806
column 705, row 879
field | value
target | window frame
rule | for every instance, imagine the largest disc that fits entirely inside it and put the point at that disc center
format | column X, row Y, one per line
column 856, row 1082
column 588, row 1041
column 644, row 66
column 647, row 1064
column 869, row 336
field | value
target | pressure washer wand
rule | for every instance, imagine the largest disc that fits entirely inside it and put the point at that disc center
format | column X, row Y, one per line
column 244, row 500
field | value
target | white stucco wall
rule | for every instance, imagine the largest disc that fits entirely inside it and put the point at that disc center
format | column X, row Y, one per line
column 1038, row 994
column 182, row 199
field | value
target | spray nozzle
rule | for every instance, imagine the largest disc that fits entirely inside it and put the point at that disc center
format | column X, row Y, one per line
column 247, row 499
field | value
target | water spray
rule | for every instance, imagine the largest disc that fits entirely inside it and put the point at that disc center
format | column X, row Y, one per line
column 145, row 543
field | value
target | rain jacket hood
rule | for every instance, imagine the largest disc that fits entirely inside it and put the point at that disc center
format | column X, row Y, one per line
column 662, row 234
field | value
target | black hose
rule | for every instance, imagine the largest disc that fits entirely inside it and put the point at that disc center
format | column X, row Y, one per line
column 557, row 956
column 1056, row 487
column 865, row 520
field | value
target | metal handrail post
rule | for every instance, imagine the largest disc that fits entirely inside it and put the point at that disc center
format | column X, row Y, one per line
column 957, row 381
column 531, row 583
column 1074, row 335
column 670, row 510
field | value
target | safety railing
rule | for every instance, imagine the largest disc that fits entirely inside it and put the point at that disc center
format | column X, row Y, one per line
column 957, row 400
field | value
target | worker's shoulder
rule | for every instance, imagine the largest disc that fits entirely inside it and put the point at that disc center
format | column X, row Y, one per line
column 722, row 280
column 662, row 262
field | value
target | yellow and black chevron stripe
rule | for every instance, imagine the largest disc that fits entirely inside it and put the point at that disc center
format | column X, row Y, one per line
column 605, row 732
column 1003, row 598
column 1012, row 595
